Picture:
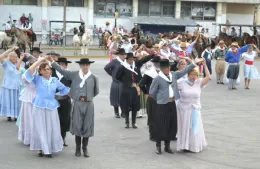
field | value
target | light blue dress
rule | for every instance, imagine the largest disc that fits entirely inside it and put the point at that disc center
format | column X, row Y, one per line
column 10, row 89
column 45, row 134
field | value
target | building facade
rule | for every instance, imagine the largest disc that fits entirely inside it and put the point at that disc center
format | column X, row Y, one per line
column 97, row 12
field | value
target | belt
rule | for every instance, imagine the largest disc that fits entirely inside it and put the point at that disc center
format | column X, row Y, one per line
column 247, row 62
column 233, row 63
column 83, row 98
column 171, row 99
column 59, row 97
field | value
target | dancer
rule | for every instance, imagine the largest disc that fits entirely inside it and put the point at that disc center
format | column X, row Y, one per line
column 116, row 86
column 45, row 135
column 207, row 54
column 9, row 92
column 191, row 136
column 129, row 74
column 145, row 84
column 26, row 111
column 233, row 58
column 220, row 63
column 84, row 88
column 64, row 101
column 250, row 71
column 164, row 90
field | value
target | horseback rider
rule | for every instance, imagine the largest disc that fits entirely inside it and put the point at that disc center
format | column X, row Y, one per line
column 8, row 28
column 108, row 28
column 81, row 29
column 27, row 27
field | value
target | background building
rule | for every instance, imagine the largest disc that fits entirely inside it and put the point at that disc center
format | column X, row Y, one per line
column 97, row 12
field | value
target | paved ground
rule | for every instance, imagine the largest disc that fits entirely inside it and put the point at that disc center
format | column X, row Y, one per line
column 231, row 122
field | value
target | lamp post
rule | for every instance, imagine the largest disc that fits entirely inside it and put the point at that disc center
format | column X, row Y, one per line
column 116, row 16
column 64, row 24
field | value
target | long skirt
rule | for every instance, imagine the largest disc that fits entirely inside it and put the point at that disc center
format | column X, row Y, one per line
column 233, row 71
column 82, row 119
column 25, row 123
column 46, row 131
column 130, row 101
column 64, row 114
column 115, row 93
column 188, row 138
column 151, row 108
column 9, row 102
column 250, row 72
column 220, row 67
column 165, row 127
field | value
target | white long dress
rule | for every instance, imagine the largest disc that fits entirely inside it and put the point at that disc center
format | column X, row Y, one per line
column 25, row 126
column 250, row 71
column 190, row 133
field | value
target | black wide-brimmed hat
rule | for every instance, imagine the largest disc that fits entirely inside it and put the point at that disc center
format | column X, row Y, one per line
column 120, row 51
column 156, row 59
column 164, row 63
column 62, row 59
column 84, row 60
column 37, row 49
column 129, row 55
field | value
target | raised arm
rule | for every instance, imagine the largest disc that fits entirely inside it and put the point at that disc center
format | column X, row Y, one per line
column 179, row 74
column 18, row 65
column 5, row 54
column 176, row 51
column 205, row 79
column 144, row 60
column 36, row 64
column 256, row 49
column 244, row 48
column 66, row 73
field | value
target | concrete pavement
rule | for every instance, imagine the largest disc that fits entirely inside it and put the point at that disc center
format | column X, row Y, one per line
column 231, row 122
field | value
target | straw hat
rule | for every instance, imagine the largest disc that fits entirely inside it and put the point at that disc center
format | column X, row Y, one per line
column 235, row 44
column 107, row 23
column 183, row 45
column 221, row 42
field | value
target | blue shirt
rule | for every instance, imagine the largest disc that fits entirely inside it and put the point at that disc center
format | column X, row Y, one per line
column 232, row 57
column 12, row 77
column 45, row 91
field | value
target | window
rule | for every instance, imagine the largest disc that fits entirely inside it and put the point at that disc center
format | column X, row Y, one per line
column 20, row 2
column 70, row 3
column 156, row 8
column 107, row 8
column 198, row 10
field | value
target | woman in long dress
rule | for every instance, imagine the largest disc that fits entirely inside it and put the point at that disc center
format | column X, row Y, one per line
column 45, row 134
column 191, row 136
column 25, row 122
column 250, row 71
column 11, row 85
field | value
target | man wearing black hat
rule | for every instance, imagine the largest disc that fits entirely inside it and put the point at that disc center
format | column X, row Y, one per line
column 64, row 101
column 164, row 90
column 207, row 54
column 84, row 88
column 81, row 29
column 116, row 87
column 145, row 84
column 129, row 74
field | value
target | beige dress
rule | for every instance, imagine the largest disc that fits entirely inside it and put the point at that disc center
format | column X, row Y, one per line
column 191, row 134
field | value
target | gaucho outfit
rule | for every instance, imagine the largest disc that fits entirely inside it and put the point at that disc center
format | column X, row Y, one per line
column 65, row 104
column 164, row 90
column 151, row 104
column 83, row 89
column 130, row 76
column 220, row 64
column 116, row 87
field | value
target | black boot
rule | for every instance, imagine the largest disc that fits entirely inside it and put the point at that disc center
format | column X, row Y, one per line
column 84, row 146
column 123, row 115
column 134, row 120
column 127, row 122
column 158, row 147
column 116, row 109
column 151, row 133
column 167, row 147
column 63, row 135
column 9, row 119
column 78, row 146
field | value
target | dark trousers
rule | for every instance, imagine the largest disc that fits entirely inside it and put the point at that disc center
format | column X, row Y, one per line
column 64, row 115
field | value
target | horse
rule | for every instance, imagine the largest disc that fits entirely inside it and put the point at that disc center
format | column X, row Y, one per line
column 22, row 39
column 5, row 40
column 86, row 40
column 105, row 37
column 76, row 43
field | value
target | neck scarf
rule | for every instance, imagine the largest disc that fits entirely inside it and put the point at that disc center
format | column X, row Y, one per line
column 235, row 51
column 120, row 60
column 127, row 66
column 165, row 77
column 83, row 77
column 189, row 82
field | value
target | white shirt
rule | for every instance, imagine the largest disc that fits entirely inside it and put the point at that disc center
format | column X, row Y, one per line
column 8, row 26
column 108, row 28
column 121, row 31
column 249, row 56
column 25, row 27
column 128, row 47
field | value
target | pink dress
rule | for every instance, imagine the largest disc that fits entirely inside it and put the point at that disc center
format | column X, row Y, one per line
column 25, row 126
column 191, row 134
